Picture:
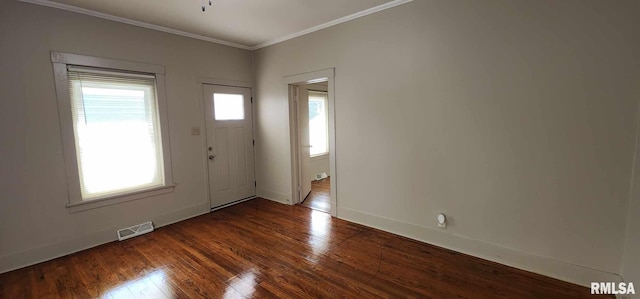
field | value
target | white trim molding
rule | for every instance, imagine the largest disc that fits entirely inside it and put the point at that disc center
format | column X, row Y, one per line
column 289, row 83
column 60, row 62
column 348, row 18
column 116, row 199
column 32, row 256
column 310, row 77
column 546, row 266
column 100, row 62
column 110, row 17
column 232, row 83
column 279, row 197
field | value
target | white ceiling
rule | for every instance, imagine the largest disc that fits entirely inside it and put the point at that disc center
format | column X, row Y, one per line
column 248, row 24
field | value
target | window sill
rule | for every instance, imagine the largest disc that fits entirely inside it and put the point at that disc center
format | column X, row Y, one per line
column 107, row 201
column 320, row 156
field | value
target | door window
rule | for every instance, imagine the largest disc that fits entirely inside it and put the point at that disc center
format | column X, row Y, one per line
column 228, row 106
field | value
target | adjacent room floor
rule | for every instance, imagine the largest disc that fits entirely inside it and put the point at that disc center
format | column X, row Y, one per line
column 320, row 197
column 262, row 249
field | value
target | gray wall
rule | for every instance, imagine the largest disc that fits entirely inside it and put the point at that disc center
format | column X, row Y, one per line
column 516, row 118
column 34, row 223
column 631, row 259
column 319, row 165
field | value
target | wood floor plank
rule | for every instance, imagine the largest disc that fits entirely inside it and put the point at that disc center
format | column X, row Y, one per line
column 262, row 249
column 320, row 196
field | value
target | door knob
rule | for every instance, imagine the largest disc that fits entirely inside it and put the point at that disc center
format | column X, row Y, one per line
column 211, row 157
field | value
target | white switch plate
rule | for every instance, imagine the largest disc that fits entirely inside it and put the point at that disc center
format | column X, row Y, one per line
column 195, row 131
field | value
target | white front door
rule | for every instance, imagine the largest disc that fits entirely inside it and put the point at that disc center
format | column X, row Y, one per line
column 304, row 144
column 229, row 133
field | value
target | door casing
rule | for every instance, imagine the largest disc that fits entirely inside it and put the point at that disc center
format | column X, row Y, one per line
column 290, row 84
column 205, row 153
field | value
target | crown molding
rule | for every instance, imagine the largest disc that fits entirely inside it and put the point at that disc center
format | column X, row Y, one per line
column 133, row 22
column 105, row 16
column 333, row 23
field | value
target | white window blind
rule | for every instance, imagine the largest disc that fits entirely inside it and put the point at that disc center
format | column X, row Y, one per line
column 318, row 123
column 117, row 132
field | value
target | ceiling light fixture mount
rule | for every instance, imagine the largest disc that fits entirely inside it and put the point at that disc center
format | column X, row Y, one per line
column 203, row 7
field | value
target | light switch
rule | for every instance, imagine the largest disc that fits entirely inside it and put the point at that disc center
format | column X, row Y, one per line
column 195, row 131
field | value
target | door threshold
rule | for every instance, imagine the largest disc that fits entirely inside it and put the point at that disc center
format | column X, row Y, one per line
column 233, row 203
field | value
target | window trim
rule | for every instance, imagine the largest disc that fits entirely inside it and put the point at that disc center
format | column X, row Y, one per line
column 60, row 61
column 320, row 157
column 326, row 114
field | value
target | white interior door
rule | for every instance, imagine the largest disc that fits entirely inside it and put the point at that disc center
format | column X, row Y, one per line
column 229, row 133
column 304, row 146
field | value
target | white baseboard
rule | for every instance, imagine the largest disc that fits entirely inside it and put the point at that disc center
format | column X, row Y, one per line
column 232, row 204
column 55, row 250
column 625, row 296
column 542, row 265
column 283, row 198
column 182, row 214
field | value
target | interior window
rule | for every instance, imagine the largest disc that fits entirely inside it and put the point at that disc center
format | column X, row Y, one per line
column 318, row 123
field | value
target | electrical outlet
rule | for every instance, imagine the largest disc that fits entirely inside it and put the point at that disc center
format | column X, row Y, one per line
column 442, row 220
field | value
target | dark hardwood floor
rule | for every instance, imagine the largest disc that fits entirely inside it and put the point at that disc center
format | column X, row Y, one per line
column 320, row 196
column 261, row 249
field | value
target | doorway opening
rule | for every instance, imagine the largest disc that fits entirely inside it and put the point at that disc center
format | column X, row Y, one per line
column 312, row 129
column 313, row 134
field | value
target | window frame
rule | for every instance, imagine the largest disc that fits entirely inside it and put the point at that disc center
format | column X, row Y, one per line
column 60, row 62
column 326, row 114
